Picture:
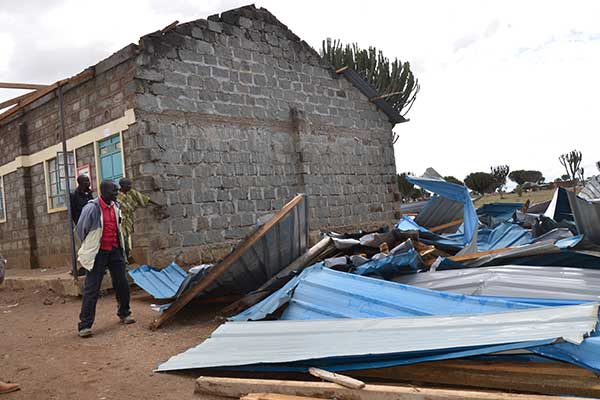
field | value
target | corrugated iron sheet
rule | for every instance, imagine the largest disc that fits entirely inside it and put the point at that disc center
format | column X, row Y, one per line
column 513, row 281
column 161, row 284
column 282, row 244
column 591, row 190
column 438, row 211
column 322, row 293
column 587, row 217
column 274, row 343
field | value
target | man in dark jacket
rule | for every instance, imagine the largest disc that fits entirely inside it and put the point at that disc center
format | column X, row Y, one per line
column 80, row 196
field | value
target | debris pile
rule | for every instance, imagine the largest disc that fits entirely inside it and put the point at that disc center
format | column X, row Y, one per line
column 504, row 297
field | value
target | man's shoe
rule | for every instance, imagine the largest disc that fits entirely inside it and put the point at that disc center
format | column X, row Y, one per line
column 127, row 320
column 8, row 387
column 85, row 332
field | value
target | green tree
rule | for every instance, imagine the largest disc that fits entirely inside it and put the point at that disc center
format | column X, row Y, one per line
column 500, row 172
column 571, row 162
column 521, row 176
column 394, row 80
column 481, row 182
column 452, row 179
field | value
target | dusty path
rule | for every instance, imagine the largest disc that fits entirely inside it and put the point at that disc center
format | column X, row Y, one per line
column 40, row 350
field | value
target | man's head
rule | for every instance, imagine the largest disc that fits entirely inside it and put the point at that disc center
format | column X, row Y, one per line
column 108, row 191
column 83, row 183
column 125, row 184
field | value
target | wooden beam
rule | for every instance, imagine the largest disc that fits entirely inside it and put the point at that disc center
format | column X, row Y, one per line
column 384, row 96
column 274, row 396
column 169, row 27
column 266, row 289
column 221, row 267
column 550, row 378
column 474, row 256
column 342, row 380
column 9, row 85
column 339, row 71
column 237, row 387
column 15, row 100
column 88, row 73
column 446, row 225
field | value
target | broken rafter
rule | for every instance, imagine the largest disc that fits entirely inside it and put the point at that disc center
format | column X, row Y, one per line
column 15, row 100
column 169, row 27
column 226, row 263
column 384, row 96
column 46, row 90
column 9, row 85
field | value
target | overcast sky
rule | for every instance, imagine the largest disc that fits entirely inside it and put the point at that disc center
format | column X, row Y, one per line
column 502, row 82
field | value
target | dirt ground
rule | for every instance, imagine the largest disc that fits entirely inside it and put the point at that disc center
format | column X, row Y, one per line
column 40, row 349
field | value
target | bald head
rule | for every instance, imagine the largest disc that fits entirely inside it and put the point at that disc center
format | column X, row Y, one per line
column 108, row 191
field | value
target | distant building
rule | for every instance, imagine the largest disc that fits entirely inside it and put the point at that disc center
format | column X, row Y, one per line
column 222, row 120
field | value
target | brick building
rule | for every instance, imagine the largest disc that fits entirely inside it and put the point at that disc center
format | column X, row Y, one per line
column 221, row 120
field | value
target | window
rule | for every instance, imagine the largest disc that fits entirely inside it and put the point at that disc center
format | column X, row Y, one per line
column 57, row 184
column 2, row 202
column 110, row 159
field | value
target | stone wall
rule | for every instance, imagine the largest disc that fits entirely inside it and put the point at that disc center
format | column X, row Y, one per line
column 237, row 114
column 32, row 237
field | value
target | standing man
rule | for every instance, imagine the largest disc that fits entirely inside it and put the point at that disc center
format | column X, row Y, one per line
column 129, row 200
column 99, row 229
column 80, row 196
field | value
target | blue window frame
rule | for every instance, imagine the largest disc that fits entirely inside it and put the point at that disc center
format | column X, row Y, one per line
column 110, row 158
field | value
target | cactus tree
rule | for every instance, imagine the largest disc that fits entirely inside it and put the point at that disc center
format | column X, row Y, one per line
column 394, row 79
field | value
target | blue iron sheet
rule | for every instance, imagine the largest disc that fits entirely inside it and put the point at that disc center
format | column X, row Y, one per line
column 320, row 293
column 392, row 265
column 454, row 192
column 504, row 235
column 160, row 283
column 494, row 213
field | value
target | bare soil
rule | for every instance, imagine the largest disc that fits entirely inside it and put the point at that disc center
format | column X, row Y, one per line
column 40, row 349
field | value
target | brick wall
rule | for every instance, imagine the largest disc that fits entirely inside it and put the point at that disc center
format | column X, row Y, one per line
column 237, row 114
column 31, row 237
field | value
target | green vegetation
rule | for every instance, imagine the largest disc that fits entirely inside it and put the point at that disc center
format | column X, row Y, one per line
column 394, row 80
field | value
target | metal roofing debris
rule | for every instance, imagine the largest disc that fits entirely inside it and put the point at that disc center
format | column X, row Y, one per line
column 321, row 293
column 269, row 249
column 559, row 208
column 438, row 211
column 413, row 207
column 515, row 281
column 453, row 192
column 591, row 189
column 161, row 284
column 279, row 342
column 365, row 88
column 392, row 265
column 492, row 214
column 539, row 208
column 587, row 217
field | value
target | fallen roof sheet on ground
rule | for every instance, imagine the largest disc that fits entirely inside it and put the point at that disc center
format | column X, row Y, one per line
column 516, row 281
column 274, row 343
column 269, row 249
column 160, row 283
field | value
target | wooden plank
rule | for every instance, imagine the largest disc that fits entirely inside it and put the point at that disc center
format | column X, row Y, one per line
column 169, row 27
column 15, row 100
column 446, row 225
column 474, row 256
column 274, row 396
column 341, row 70
column 88, row 73
column 342, row 380
column 221, row 267
column 266, row 289
column 11, row 85
column 237, row 387
column 535, row 377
